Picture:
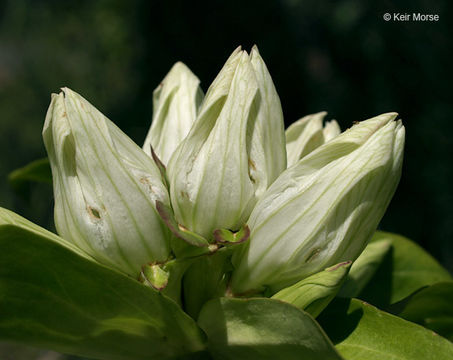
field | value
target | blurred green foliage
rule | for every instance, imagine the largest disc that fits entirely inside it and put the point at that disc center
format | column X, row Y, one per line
column 336, row 56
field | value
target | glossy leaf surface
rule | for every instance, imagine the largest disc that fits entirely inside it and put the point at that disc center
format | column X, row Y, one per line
column 362, row 332
column 404, row 270
column 54, row 296
column 263, row 329
column 432, row 308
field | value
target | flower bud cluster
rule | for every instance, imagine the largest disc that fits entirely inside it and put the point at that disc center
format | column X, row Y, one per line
column 217, row 170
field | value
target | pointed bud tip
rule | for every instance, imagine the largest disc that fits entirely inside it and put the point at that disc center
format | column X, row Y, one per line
column 379, row 120
column 65, row 91
column 236, row 51
column 68, row 93
column 179, row 68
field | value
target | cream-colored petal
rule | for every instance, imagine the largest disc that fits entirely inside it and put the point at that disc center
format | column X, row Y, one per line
column 304, row 136
column 175, row 105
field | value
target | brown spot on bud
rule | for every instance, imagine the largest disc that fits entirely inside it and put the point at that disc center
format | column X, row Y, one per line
column 94, row 213
column 252, row 164
column 313, row 255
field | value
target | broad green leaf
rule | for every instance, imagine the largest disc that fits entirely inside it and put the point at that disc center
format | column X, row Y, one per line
column 315, row 292
column 362, row 332
column 432, row 307
column 404, row 270
column 54, row 296
column 365, row 266
column 37, row 171
column 263, row 329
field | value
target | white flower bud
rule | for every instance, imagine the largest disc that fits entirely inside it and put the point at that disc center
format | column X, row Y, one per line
column 331, row 130
column 175, row 105
column 105, row 186
column 324, row 209
column 233, row 152
column 307, row 134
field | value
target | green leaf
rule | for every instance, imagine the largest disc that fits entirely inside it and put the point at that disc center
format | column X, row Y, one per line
column 205, row 280
column 263, row 329
column 21, row 179
column 362, row 332
column 404, row 270
column 432, row 308
column 364, row 267
column 54, row 296
column 37, row 171
column 315, row 292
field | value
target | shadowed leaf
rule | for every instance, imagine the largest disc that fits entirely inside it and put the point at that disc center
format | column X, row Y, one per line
column 405, row 269
column 432, row 308
column 362, row 332
column 263, row 329
column 54, row 296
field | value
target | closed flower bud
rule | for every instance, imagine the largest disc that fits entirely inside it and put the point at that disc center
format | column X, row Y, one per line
column 331, row 130
column 307, row 134
column 324, row 209
column 105, row 187
column 233, row 152
column 175, row 105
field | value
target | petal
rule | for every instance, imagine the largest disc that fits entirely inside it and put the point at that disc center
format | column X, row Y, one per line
column 210, row 185
column 267, row 153
column 175, row 104
column 304, row 136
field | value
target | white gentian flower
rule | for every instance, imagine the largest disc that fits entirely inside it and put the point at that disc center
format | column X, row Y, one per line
column 226, row 180
column 324, row 209
column 105, row 187
column 234, row 150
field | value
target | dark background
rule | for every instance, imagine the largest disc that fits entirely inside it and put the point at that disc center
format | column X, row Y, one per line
column 339, row 56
